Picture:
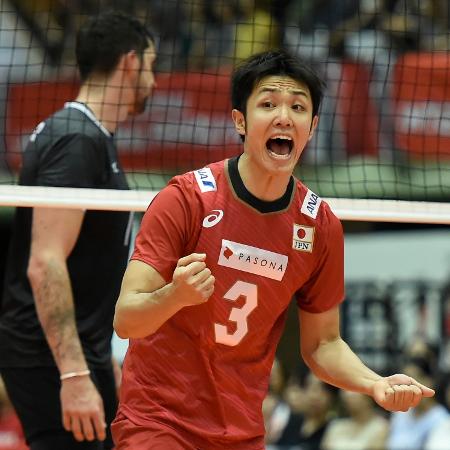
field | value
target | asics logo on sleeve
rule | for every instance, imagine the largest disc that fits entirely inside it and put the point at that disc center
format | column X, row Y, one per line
column 213, row 219
column 36, row 131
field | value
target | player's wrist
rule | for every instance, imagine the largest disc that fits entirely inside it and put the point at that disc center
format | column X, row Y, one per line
column 175, row 297
column 64, row 376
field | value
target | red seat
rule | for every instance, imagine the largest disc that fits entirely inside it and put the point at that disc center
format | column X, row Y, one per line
column 357, row 111
column 421, row 97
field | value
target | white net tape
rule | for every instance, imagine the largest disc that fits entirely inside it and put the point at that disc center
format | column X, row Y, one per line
column 116, row 200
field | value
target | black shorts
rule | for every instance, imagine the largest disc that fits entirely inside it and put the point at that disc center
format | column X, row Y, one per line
column 34, row 393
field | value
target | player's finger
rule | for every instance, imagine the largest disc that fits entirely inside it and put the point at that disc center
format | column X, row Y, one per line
column 207, row 287
column 87, row 429
column 426, row 391
column 99, row 421
column 194, row 268
column 182, row 274
column 398, row 396
column 386, row 398
column 417, row 396
column 75, row 426
column 201, row 276
column 99, row 426
column 66, row 421
column 185, row 260
column 406, row 398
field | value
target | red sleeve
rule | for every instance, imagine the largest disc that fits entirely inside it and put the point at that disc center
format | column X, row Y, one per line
column 325, row 287
column 167, row 229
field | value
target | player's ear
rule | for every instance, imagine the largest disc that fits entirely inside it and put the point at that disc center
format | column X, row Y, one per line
column 239, row 121
column 314, row 123
column 130, row 63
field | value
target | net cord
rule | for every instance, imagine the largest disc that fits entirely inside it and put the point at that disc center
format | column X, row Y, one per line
column 371, row 210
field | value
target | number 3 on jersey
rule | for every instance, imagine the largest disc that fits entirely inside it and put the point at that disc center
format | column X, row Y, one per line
column 238, row 315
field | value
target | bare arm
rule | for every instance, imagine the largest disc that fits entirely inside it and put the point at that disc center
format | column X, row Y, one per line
column 332, row 360
column 329, row 357
column 146, row 301
column 54, row 234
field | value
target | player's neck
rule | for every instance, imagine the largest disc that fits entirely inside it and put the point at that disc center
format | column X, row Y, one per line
column 262, row 184
column 99, row 99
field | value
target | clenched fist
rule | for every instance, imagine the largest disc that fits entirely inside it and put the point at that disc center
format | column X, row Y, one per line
column 192, row 280
column 399, row 392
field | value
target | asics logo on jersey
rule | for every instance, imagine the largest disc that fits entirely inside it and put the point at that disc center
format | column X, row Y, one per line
column 36, row 131
column 205, row 179
column 213, row 219
column 253, row 260
column 115, row 167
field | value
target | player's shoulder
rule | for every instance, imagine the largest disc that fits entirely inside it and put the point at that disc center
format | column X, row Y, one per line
column 68, row 123
column 314, row 208
column 203, row 180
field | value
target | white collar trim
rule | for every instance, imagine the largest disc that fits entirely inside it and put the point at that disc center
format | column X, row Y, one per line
column 85, row 110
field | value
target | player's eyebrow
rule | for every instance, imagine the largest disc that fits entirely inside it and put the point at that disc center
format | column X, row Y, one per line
column 291, row 91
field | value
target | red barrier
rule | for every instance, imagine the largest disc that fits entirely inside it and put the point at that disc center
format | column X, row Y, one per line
column 187, row 123
column 357, row 111
column 421, row 97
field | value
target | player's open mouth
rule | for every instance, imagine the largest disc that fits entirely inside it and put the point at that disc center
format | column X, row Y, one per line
column 280, row 147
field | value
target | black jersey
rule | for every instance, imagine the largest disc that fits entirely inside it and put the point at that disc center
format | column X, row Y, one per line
column 70, row 149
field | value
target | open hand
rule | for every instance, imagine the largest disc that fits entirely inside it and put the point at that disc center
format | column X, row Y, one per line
column 82, row 409
column 399, row 392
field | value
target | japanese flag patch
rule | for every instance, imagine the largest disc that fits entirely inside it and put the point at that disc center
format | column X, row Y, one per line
column 303, row 238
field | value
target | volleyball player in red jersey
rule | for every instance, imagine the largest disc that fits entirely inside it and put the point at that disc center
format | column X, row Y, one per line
column 220, row 254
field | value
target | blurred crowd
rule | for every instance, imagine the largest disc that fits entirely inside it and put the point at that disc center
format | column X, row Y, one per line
column 303, row 413
column 11, row 435
column 212, row 33
column 358, row 41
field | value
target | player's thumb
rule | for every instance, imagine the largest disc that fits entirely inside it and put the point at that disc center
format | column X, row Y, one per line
column 380, row 393
column 426, row 391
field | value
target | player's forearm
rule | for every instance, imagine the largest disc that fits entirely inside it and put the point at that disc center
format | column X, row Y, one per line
column 52, row 292
column 335, row 363
column 139, row 314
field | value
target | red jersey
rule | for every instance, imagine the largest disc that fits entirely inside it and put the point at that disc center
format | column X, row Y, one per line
column 206, row 370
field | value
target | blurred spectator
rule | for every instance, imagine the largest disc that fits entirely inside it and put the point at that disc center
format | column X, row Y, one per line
column 305, row 431
column 418, row 25
column 212, row 32
column 410, row 430
column 256, row 30
column 325, row 32
column 11, row 434
column 48, row 21
column 364, row 428
column 439, row 438
column 317, row 29
column 276, row 411
column 294, row 393
column 174, row 22
column 419, row 347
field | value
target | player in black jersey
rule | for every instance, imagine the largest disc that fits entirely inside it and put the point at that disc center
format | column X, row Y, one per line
column 65, row 265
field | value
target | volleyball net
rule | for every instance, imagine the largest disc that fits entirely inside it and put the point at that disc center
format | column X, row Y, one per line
column 382, row 148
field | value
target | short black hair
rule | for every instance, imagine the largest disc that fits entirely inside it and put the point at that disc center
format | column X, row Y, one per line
column 274, row 62
column 104, row 38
